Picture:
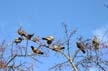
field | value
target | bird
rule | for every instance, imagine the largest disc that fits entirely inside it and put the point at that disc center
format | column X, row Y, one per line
column 58, row 47
column 36, row 39
column 96, row 42
column 21, row 32
column 18, row 40
column 36, row 50
column 29, row 36
column 49, row 39
column 80, row 45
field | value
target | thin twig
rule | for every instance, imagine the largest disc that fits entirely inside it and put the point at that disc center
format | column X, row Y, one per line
column 11, row 59
column 58, row 64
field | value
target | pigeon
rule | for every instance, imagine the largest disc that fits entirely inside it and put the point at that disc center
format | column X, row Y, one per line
column 58, row 47
column 80, row 45
column 18, row 40
column 29, row 36
column 21, row 32
column 96, row 43
column 36, row 39
column 49, row 39
column 36, row 50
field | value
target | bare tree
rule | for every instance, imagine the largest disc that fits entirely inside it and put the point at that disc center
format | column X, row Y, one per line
column 78, row 54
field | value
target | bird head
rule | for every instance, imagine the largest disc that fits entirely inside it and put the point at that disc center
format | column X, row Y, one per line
column 51, row 37
column 32, row 47
column 21, row 38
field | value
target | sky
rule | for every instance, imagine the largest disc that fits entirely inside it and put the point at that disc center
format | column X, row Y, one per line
column 45, row 17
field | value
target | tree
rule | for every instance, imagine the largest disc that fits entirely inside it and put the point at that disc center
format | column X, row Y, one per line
column 80, row 55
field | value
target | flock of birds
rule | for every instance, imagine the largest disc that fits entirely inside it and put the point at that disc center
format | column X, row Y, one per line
column 95, row 43
column 49, row 40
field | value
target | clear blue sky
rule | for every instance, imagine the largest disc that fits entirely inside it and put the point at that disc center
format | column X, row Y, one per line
column 44, row 17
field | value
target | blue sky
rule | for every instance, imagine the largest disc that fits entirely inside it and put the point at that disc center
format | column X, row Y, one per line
column 44, row 17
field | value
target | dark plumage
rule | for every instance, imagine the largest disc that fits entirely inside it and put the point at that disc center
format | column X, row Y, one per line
column 21, row 32
column 49, row 39
column 18, row 40
column 58, row 47
column 80, row 45
column 37, row 51
column 96, row 43
column 29, row 36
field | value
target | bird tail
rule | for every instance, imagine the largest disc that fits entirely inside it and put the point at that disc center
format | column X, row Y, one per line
column 83, row 51
column 63, row 48
column 96, row 48
column 41, row 53
column 44, row 38
column 32, row 34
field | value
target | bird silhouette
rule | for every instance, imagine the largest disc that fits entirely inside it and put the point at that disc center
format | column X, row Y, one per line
column 21, row 32
column 18, row 40
column 96, row 42
column 36, row 50
column 80, row 45
column 29, row 36
column 49, row 39
column 58, row 47
column 36, row 39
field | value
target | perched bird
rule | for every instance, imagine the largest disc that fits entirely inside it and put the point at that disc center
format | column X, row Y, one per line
column 21, row 32
column 36, row 39
column 36, row 50
column 29, row 36
column 96, row 42
column 18, row 40
column 80, row 45
column 58, row 47
column 49, row 39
